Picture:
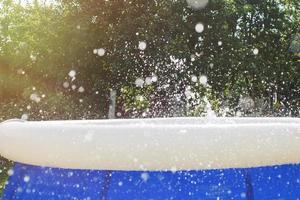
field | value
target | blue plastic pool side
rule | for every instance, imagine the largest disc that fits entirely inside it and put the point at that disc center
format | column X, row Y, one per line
column 40, row 183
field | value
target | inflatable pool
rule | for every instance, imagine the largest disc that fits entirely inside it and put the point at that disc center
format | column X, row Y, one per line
column 153, row 144
column 179, row 158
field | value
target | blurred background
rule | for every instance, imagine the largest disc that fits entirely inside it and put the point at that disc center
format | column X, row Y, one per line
column 60, row 59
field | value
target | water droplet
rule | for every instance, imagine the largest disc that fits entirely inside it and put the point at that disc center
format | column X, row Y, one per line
column 139, row 98
column 33, row 58
column 199, row 28
column 72, row 73
column 10, row 172
column 142, row 45
column 154, row 78
column 66, row 84
column 197, row 4
column 189, row 94
column 73, row 87
column 194, row 78
column 243, row 195
column 101, row 52
column 24, row 117
column 139, row 82
column 203, row 80
column 145, row 176
column 255, row 51
column 148, row 80
column 26, row 179
column 35, row 97
column 81, row 89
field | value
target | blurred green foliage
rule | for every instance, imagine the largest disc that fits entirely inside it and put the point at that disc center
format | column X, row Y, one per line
column 5, row 165
column 40, row 44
